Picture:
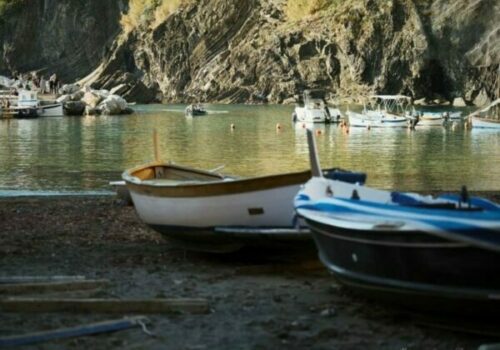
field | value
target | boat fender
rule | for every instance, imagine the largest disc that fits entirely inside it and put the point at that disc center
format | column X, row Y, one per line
column 329, row 192
column 294, row 117
column 232, row 126
column 355, row 195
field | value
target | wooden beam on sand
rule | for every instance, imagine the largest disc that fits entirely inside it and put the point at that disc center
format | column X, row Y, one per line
column 143, row 306
column 33, row 279
column 87, row 329
column 66, row 286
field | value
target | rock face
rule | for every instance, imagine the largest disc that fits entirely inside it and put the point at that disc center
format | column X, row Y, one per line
column 248, row 51
column 63, row 36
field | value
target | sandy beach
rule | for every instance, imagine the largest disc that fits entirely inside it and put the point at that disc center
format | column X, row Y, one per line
column 258, row 299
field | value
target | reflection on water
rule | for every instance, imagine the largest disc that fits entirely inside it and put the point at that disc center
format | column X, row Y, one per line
column 83, row 154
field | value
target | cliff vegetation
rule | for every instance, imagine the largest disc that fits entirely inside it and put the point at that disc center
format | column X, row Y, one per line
column 147, row 13
column 256, row 51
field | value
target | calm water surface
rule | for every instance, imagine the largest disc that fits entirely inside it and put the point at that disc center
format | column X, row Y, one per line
column 71, row 154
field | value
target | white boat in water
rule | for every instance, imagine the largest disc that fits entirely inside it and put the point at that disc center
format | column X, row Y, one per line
column 391, row 111
column 315, row 110
column 209, row 212
column 488, row 117
column 438, row 118
column 27, row 105
column 29, row 99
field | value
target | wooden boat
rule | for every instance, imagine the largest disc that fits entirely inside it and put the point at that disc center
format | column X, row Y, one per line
column 313, row 109
column 405, row 248
column 195, row 110
column 205, row 211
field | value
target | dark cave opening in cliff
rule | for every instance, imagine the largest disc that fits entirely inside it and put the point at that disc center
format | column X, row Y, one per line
column 434, row 81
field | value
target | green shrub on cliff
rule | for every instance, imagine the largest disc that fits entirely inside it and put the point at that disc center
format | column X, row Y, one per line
column 147, row 12
column 7, row 4
column 298, row 9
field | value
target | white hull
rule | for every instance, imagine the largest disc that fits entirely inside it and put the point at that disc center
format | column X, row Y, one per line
column 308, row 115
column 480, row 123
column 265, row 208
column 51, row 110
column 431, row 119
column 375, row 119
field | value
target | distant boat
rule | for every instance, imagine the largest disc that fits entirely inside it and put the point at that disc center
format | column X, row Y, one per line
column 391, row 111
column 438, row 118
column 27, row 105
column 29, row 99
column 209, row 212
column 490, row 112
column 195, row 110
column 313, row 109
column 403, row 247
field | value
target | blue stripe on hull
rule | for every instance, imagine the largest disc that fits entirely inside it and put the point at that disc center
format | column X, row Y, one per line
column 481, row 228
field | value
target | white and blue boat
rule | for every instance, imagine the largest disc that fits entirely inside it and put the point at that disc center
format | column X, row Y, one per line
column 424, row 250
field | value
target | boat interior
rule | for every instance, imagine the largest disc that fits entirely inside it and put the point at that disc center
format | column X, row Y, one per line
column 166, row 174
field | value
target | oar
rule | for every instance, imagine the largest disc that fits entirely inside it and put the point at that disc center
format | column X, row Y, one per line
column 313, row 155
column 220, row 167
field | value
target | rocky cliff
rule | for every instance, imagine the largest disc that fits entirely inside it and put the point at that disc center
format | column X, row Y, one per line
column 249, row 51
column 63, row 36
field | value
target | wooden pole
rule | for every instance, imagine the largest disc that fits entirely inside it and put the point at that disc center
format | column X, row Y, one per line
column 20, row 288
column 78, row 331
column 151, row 306
column 313, row 155
column 156, row 145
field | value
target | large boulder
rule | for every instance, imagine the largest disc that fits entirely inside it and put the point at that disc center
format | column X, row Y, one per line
column 77, row 96
column 63, row 99
column 68, row 89
column 74, row 108
column 91, row 99
column 459, row 102
column 113, row 105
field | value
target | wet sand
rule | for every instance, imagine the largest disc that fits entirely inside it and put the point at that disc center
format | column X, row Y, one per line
column 258, row 299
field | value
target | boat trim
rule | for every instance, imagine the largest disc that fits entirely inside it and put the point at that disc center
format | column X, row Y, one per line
column 385, row 243
column 213, row 188
column 399, row 286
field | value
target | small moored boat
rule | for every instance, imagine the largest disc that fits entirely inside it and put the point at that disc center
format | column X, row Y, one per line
column 195, row 110
column 403, row 247
column 488, row 117
column 313, row 109
column 389, row 112
column 438, row 118
column 206, row 211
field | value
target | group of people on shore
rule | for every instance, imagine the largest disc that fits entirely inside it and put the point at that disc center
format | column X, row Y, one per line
column 42, row 84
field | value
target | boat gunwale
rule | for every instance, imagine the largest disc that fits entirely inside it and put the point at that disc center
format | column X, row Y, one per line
column 212, row 188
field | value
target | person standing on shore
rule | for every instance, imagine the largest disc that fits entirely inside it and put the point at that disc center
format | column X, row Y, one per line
column 43, row 84
column 53, row 83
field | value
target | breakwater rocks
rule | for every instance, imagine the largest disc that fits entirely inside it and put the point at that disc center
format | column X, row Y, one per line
column 249, row 51
column 79, row 101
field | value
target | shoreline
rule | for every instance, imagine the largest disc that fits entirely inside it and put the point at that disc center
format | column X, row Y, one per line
column 258, row 298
